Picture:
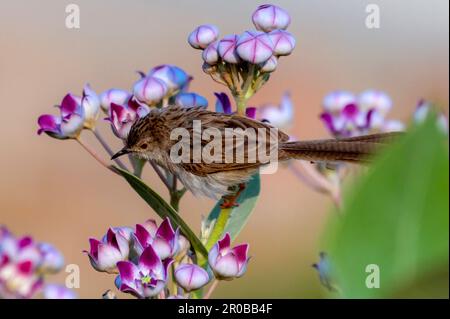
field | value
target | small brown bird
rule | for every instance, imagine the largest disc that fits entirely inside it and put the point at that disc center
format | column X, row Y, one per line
column 150, row 138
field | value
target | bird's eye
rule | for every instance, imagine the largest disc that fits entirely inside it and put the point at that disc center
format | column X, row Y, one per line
column 144, row 146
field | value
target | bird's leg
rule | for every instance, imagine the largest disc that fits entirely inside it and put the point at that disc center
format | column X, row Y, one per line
column 229, row 201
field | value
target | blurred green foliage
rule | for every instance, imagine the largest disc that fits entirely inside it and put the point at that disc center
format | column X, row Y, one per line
column 396, row 218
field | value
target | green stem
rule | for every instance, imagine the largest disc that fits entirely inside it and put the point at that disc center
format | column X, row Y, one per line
column 241, row 103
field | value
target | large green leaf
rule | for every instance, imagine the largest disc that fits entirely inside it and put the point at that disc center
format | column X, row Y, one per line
column 163, row 209
column 239, row 214
column 396, row 217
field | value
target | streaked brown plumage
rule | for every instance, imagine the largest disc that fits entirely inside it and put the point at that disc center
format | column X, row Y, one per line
column 149, row 138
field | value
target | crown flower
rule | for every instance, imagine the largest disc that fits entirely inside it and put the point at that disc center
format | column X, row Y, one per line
column 147, row 278
column 210, row 55
column 191, row 277
column 150, row 90
column 269, row 17
column 190, row 99
column 283, row 42
column 254, row 47
column 203, row 35
column 175, row 78
column 227, row 48
column 226, row 262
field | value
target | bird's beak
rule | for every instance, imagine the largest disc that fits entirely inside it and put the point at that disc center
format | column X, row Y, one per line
column 123, row 151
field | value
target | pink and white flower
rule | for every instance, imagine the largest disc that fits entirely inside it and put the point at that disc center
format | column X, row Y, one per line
column 175, row 78
column 105, row 254
column 279, row 116
column 147, row 278
column 163, row 239
column 226, row 262
column 210, row 55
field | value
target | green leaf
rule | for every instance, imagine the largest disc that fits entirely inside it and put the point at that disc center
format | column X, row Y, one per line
column 396, row 217
column 163, row 209
column 239, row 214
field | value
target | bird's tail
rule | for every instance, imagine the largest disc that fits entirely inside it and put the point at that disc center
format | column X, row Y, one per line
column 354, row 149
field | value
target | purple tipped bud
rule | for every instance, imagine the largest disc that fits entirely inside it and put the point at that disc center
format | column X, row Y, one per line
column 254, row 47
column 191, row 277
column 270, row 65
column 91, row 106
column 116, row 96
column 269, row 17
column 150, row 90
column 283, row 42
column 210, row 54
column 227, row 48
column 203, row 35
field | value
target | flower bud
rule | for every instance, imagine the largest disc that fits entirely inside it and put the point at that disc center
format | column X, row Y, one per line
column 116, row 96
column 190, row 100
column 279, row 116
column 191, row 277
column 203, row 35
column 337, row 100
column 52, row 259
column 270, row 65
column 254, row 47
column 378, row 100
column 121, row 119
column 283, row 41
column 210, row 54
column 174, row 77
column 226, row 262
column 91, row 106
column 105, row 254
column 227, row 49
column 270, row 17
column 150, row 90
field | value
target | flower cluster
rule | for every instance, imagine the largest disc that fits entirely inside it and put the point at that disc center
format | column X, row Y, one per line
column 23, row 266
column 348, row 115
column 243, row 62
column 141, row 256
column 162, row 85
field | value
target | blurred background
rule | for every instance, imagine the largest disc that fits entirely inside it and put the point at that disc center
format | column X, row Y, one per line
column 56, row 192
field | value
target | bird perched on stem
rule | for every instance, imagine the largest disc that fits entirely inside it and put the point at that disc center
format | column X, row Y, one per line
column 152, row 137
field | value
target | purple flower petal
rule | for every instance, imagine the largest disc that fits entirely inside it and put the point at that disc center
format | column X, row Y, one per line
column 269, row 17
column 150, row 261
column 250, row 112
column 128, row 273
column 48, row 123
column 203, row 35
column 191, row 277
column 350, row 111
column 226, row 266
column 225, row 242
column 283, row 42
column 241, row 254
column 223, row 104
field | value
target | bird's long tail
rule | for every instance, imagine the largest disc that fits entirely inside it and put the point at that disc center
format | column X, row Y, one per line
column 354, row 149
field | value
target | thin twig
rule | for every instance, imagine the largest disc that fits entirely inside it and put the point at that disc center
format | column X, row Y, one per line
column 108, row 149
column 160, row 173
column 95, row 155
column 211, row 289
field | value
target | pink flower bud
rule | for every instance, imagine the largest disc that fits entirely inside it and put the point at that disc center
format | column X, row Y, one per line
column 191, row 277
column 226, row 262
column 116, row 96
column 270, row 65
column 174, row 77
column 210, row 54
column 203, row 35
column 91, row 106
column 335, row 101
column 227, row 48
column 254, row 47
column 378, row 100
column 270, row 17
column 150, row 90
column 283, row 41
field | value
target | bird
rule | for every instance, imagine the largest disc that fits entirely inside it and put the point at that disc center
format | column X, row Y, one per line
column 151, row 138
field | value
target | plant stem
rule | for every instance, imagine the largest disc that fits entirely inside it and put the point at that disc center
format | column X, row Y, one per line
column 108, row 149
column 95, row 155
column 160, row 173
column 219, row 226
column 211, row 289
